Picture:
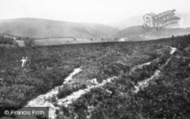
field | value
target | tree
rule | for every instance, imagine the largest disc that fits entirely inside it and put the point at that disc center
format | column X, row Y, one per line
column 29, row 42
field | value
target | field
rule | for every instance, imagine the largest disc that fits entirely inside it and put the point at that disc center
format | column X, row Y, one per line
column 63, row 41
column 166, row 96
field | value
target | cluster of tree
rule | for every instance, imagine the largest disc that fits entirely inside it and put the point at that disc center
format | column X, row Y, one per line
column 29, row 42
column 7, row 40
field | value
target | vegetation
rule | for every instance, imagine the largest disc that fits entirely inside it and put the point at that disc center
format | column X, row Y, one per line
column 67, row 89
column 7, row 40
column 29, row 42
column 166, row 97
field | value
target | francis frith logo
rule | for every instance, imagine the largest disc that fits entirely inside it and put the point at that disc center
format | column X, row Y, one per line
column 160, row 21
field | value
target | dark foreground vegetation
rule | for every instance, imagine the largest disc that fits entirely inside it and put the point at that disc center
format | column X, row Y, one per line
column 167, row 97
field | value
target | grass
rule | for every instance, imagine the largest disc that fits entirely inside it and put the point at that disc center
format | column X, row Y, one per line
column 51, row 64
column 67, row 89
column 167, row 97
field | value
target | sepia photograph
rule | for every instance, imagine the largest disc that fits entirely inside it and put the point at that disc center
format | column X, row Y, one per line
column 94, row 59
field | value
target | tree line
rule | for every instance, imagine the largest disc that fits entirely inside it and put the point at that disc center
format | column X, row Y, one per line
column 7, row 40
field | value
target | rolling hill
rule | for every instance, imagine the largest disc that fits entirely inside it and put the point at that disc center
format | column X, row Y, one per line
column 42, row 28
column 49, row 32
column 137, row 20
column 131, row 21
column 139, row 33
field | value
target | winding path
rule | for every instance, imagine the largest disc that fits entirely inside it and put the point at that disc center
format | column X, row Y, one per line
column 42, row 100
column 143, row 84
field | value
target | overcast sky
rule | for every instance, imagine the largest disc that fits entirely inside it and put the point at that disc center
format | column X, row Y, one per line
column 94, row 11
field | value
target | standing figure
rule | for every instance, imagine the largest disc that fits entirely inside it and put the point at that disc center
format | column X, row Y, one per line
column 23, row 60
column 27, row 61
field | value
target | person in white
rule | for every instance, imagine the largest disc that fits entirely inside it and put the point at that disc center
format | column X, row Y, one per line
column 23, row 60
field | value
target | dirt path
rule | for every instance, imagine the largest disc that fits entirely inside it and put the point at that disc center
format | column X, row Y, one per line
column 143, row 84
column 74, row 96
column 43, row 100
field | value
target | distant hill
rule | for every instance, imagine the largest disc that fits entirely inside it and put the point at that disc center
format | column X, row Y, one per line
column 185, row 19
column 139, row 33
column 137, row 20
column 132, row 21
column 41, row 28
column 49, row 32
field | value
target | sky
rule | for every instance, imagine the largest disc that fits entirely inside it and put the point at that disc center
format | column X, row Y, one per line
column 91, row 11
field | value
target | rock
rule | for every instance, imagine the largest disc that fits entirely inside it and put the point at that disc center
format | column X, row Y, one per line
column 94, row 81
column 108, row 91
column 49, row 68
column 3, row 71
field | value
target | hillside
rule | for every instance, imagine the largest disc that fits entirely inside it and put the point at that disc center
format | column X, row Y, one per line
column 41, row 28
column 137, row 20
column 118, row 69
column 131, row 21
column 139, row 33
